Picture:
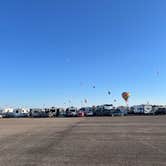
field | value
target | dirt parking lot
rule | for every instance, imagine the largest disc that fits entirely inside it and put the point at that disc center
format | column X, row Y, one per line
column 95, row 141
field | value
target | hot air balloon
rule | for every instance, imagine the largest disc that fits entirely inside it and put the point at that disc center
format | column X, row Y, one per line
column 157, row 73
column 109, row 93
column 125, row 96
column 86, row 101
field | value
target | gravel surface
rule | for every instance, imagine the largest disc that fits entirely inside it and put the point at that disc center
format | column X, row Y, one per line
column 95, row 141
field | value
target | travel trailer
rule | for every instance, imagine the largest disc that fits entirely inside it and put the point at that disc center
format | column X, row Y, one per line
column 88, row 111
column 142, row 109
column 21, row 112
column 8, row 112
column 104, row 110
column 37, row 112
column 71, row 112
column 159, row 109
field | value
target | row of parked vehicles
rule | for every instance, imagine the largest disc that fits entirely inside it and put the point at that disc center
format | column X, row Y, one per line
column 101, row 110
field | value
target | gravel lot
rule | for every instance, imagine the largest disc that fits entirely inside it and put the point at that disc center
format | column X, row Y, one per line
column 95, row 141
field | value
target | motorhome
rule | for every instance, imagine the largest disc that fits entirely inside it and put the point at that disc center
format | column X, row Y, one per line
column 124, row 110
column 159, row 109
column 142, row 109
column 88, row 111
column 37, row 112
column 71, row 112
column 104, row 110
column 21, row 112
column 8, row 112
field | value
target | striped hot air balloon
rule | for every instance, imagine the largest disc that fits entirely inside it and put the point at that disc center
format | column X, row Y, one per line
column 125, row 96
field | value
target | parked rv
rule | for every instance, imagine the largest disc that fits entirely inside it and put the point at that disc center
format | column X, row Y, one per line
column 55, row 112
column 117, row 112
column 124, row 110
column 21, row 112
column 88, row 111
column 159, row 110
column 51, row 112
column 8, row 112
column 37, row 113
column 142, row 109
column 104, row 110
column 71, row 112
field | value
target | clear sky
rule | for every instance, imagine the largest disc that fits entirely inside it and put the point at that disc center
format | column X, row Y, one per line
column 53, row 51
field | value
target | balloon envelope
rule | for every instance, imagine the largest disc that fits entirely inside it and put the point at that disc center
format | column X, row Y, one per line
column 125, row 96
column 86, row 101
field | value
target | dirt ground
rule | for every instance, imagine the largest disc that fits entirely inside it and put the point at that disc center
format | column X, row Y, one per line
column 95, row 141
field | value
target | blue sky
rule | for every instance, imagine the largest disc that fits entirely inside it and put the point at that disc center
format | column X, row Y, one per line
column 53, row 51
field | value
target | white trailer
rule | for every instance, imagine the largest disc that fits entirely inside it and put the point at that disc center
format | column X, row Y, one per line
column 8, row 112
column 37, row 112
column 21, row 112
column 142, row 109
column 148, row 109
column 71, row 112
column 104, row 110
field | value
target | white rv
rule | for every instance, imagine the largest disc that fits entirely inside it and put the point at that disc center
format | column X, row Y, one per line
column 21, row 112
column 8, row 112
column 104, row 110
column 37, row 112
column 71, row 112
column 142, row 109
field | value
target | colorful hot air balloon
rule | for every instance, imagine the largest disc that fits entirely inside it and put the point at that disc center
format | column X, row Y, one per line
column 125, row 96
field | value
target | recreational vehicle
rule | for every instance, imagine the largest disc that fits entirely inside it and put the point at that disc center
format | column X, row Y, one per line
column 37, row 112
column 21, row 112
column 142, row 109
column 88, row 111
column 71, row 112
column 8, row 112
column 104, row 110
column 159, row 110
